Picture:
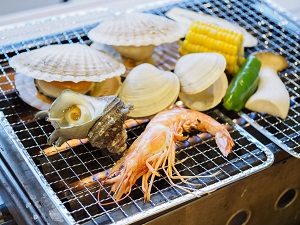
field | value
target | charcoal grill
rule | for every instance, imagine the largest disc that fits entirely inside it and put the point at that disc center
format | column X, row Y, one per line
column 40, row 183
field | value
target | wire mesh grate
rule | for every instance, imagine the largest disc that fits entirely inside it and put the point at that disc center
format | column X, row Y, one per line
column 199, row 155
column 277, row 34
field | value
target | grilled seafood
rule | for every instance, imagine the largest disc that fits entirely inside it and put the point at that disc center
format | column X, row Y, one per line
column 77, row 116
column 154, row 149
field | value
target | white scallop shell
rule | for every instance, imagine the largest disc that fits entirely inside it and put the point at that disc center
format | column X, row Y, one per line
column 67, row 62
column 207, row 98
column 29, row 94
column 149, row 89
column 137, row 29
column 197, row 71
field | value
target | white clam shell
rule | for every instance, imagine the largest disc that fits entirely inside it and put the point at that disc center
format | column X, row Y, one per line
column 197, row 71
column 149, row 89
column 67, row 62
column 207, row 98
column 137, row 29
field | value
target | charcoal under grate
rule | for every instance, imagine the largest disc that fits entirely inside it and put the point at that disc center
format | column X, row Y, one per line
column 200, row 155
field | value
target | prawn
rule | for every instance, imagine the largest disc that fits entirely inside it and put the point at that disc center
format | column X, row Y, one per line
column 155, row 148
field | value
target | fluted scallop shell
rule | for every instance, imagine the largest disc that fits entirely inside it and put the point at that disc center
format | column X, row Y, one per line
column 197, row 71
column 77, row 116
column 149, row 89
column 208, row 98
column 137, row 29
column 67, row 62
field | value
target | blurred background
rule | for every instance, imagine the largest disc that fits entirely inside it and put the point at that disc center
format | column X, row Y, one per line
column 15, row 6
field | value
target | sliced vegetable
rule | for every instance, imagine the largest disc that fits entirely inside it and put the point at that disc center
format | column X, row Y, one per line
column 271, row 96
column 205, row 37
column 243, row 85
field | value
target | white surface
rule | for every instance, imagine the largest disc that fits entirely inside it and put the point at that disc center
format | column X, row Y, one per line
column 63, row 8
column 291, row 5
column 15, row 11
column 13, row 6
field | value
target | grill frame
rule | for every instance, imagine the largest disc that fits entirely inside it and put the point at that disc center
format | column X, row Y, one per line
column 54, row 205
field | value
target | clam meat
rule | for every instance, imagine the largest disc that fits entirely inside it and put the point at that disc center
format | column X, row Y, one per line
column 77, row 116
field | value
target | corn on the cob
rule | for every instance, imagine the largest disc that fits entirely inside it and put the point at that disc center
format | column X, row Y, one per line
column 205, row 37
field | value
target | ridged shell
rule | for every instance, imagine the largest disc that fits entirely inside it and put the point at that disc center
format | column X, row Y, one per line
column 149, row 89
column 207, row 98
column 67, row 62
column 137, row 29
column 197, row 71
column 77, row 116
column 29, row 94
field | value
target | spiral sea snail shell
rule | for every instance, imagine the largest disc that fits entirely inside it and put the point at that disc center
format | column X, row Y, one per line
column 75, row 115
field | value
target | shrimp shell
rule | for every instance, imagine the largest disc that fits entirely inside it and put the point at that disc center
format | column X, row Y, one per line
column 155, row 149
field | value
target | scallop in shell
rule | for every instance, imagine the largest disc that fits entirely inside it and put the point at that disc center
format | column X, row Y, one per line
column 77, row 116
column 149, row 89
column 70, row 66
column 203, row 82
column 67, row 62
column 135, row 35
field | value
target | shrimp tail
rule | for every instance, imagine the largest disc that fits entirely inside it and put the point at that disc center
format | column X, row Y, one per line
column 224, row 143
column 222, row 137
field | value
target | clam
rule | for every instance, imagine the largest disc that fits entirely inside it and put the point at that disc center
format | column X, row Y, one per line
column 203, row 82
column 208, row 98
column 135, row 35
column 78, row 67
column 149, row 89
column 77, row 116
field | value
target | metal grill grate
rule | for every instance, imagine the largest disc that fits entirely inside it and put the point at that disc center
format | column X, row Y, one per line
column 277, row 34
column 200, row 151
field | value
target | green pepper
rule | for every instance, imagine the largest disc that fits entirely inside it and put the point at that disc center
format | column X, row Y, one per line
column 242, row 85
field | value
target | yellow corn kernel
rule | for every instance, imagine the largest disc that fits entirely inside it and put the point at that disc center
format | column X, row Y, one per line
column 205, row 37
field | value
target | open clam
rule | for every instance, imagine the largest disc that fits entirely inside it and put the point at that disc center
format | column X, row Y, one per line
column 203, row 82
column 77, row 116
column 149, row 89
column 135, row 35
column 55, row 68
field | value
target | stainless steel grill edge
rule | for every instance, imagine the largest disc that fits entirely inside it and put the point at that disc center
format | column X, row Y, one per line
column 27, row 190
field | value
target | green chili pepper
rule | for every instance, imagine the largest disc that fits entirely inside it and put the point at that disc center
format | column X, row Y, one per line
column 242, row 85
